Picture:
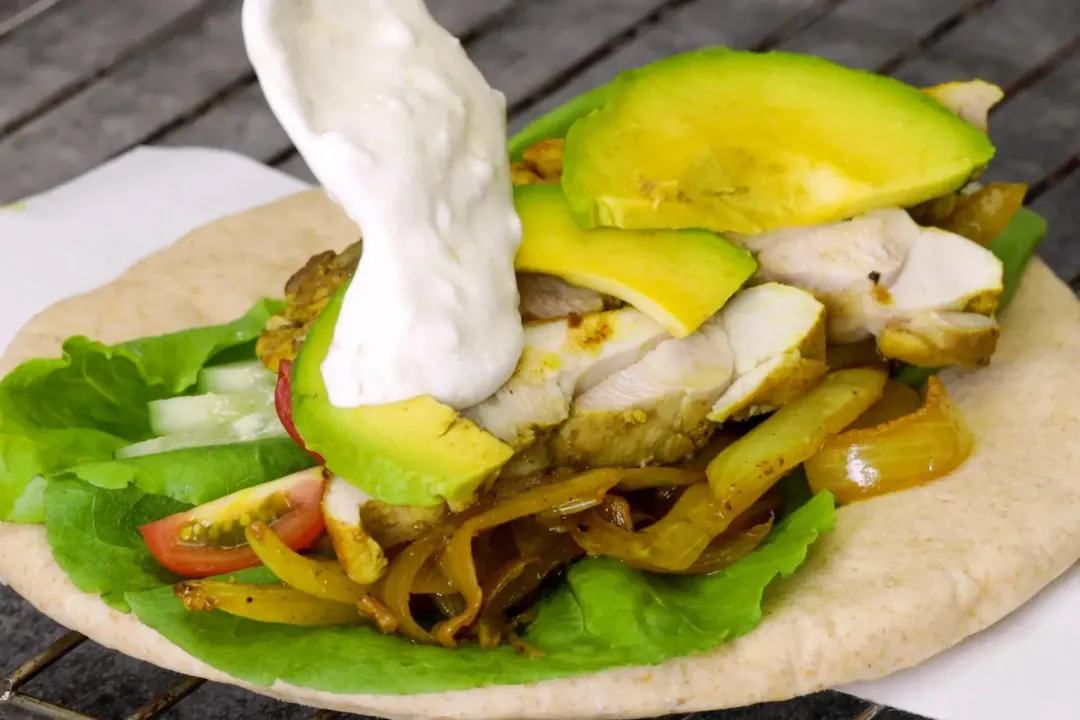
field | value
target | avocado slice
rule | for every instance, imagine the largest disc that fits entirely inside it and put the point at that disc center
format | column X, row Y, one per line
column 748, row 142
column 555, row 123
column 679, row 278
column 415, row 452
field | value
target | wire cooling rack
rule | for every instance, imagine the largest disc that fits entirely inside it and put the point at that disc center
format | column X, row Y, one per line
column 11, row 698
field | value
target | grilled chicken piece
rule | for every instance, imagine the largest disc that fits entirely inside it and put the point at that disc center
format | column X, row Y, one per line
column 880, row 270
column 392, row 525
column 766, row 347
column 546, row 297
column 545, row 158
column 777, row 334
column 306, row 294
column 360, row 527
column 937, row 339
column 841, row 264
column 562, row 359
column 945, row 271
column 541, row 164
column 359, row 553
column 972, row 101
column 653, row 411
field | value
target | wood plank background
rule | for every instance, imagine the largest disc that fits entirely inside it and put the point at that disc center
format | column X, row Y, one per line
column 84, row 80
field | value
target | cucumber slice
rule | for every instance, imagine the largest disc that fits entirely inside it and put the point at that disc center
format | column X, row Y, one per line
column 256, row 426
column 181, row 414
column 237, row 377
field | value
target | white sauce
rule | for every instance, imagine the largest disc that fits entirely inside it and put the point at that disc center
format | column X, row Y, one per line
column 410, row 140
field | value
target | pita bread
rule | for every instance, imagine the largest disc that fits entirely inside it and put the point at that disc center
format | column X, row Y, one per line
column 903, row 577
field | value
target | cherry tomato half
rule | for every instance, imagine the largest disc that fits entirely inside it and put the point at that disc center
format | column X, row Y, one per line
column 209, row 540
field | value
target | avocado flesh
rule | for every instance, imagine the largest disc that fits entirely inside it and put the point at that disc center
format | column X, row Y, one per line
column 749, row 142
column 415, row 452
column 678, row 278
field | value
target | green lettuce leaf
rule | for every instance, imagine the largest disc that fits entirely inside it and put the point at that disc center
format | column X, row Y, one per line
column 604, row 615
column 197, row 475
column 59, row 412
column 93, row 512
column 94, row 535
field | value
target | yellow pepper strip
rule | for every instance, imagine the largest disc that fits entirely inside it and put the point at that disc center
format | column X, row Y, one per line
column 266, row 603
column 751, row 465
column 321, row 578
column 912, row 450
column 654, row 477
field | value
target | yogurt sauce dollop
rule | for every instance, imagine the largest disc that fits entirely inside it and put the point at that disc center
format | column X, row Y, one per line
column 409, row 139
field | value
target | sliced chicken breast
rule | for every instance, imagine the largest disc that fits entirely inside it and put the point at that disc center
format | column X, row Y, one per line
column 392, row 525
column 880, row 270
column 546, row 297
column 777, row 334
column 360, row 554
column 766, row 347
column 937, row 339
column 360, row 527
column 562, row 359
column 972, row 100
column 652, row 411
column 945, row 271
column 841, row 264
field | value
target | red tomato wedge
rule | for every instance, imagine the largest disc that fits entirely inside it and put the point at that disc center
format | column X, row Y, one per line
column 283, row 405
column 209, row 540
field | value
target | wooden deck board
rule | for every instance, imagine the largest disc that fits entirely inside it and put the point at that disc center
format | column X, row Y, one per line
column 532, row 46
column 866, row 33
column 125, row 106
column 11, row 8
column 243, row 121
column 997, row 44
column 1035, row 131
column 1061, row 208
column 460, row 17
column 549, row 37
column 72, row 42
column 740, row 23
column 15, row 13
column 296, row 166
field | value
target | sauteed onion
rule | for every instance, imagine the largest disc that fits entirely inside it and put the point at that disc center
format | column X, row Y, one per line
column 897, row 454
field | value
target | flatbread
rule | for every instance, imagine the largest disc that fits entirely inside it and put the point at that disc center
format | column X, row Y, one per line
column 904, row 576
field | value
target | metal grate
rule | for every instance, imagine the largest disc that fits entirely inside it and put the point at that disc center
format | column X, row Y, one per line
column 25, row 12
column 12, row 697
